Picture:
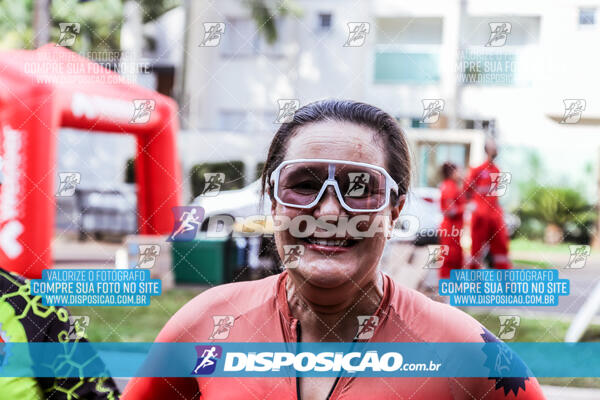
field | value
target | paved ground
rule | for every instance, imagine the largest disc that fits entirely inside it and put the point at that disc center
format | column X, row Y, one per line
column 405, row 264
column 567, row 393
column 68, row 253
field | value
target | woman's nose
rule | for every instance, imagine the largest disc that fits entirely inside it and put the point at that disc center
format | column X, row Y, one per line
column 329, row 204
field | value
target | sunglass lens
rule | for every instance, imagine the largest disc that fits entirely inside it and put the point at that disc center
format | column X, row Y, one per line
column 299, row 184
column 363, row 188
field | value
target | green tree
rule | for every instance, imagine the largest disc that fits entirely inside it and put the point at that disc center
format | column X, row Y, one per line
column 100, row 20
column 559, row 208
column 264, row 13
column 16, row 30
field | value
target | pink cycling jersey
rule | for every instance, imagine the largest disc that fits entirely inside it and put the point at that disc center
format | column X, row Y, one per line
column 261, row 314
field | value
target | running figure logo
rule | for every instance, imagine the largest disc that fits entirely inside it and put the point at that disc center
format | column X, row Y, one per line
column 503, row 360
column 287, row 109
column 207, row 359
column 148, row 255
column 432, row 109
column 499, row 184
column 499, row 32
column 212, row 34
column 77, row 326
column 508, row 326
column 222, row 326
column 357, row 33
column 142, row 111
column 366, row 326
column 579, row 255
column 437, row 252
column 574, row 108
column 358, row 184
column 293, row 253
column 187, row 223
column 68, row 182
column 212, row 183
column 68, row 33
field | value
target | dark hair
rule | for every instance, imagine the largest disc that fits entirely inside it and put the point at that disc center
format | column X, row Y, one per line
column 386, row 131
column 447, row 169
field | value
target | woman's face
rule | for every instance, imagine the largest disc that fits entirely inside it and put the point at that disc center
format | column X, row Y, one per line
column 323, row 265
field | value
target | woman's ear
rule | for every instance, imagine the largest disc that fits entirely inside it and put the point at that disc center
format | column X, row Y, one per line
column 398, row 207
column 395, row 214
column 273, row 202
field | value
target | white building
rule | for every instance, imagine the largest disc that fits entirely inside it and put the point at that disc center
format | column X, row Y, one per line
column 432, row 49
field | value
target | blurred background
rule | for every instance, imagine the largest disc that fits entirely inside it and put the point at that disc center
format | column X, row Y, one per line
column 270, row 50
column 525, row 73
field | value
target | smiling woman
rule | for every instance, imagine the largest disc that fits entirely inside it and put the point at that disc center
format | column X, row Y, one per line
column 335, row 161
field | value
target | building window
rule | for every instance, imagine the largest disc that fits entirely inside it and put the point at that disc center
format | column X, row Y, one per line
column 587, row 16
column 489, row 69
column 403, row 67
column 485, row 125
column 324, row 21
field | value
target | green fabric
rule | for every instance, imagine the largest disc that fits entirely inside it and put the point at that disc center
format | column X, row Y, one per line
column 23, row 318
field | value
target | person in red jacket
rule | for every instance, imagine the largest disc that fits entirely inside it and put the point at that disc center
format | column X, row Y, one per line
column 452, row 204
column 488, row 230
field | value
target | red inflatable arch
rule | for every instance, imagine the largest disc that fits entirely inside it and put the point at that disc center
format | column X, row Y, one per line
column 52, row 87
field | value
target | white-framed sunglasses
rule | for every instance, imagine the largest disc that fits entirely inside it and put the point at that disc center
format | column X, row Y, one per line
column 360, row 187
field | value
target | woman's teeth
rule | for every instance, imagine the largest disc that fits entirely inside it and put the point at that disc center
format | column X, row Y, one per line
column 332, row 243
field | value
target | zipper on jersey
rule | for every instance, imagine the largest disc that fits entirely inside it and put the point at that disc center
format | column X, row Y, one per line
column 298, row 336
column 298, row 340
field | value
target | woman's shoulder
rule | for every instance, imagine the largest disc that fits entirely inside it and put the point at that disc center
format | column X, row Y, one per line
column 433, row 321
column 229, row 301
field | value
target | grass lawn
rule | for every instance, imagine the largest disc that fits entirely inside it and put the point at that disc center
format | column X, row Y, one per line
column 518, row 263
column 522, row 244
column 536, row 329
column 134, row 324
